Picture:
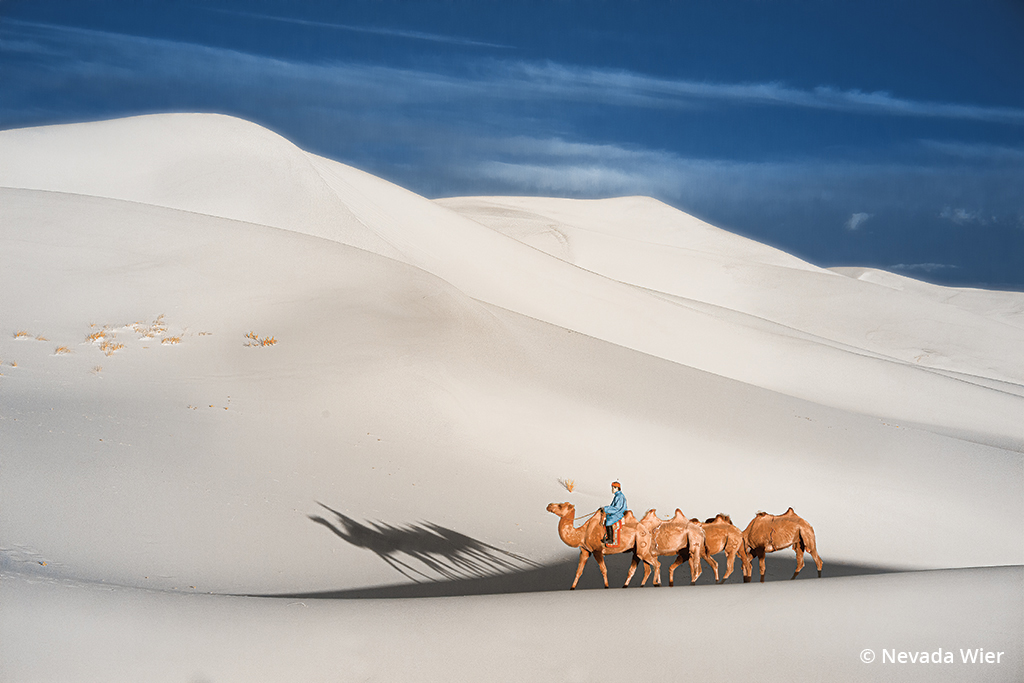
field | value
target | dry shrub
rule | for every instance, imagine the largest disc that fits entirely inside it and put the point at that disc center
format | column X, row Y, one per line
column 256, row 340
column 152, row 330
column 109, row 347
column 568, row 484
column 21, row 334
column 61, row 350
column 171, row 340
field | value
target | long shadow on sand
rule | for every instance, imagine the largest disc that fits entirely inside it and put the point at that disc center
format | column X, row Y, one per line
column 454, row 564
column 427, row 552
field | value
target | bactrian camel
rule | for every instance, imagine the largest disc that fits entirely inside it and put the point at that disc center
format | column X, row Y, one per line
column 589, row 538
column 768, row 533
column 720, row 534
column 677, row 536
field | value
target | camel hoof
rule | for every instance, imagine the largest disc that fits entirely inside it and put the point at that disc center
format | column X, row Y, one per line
column 670, row 584
column 819, row 573
column 573, row 588
column 746, row 579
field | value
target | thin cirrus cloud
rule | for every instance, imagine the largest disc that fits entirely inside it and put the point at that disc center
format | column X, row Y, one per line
column 372, row 30
column 496, row 80
column 626, row 87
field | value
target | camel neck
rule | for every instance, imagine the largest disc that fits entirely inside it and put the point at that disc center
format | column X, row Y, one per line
column 570, row 535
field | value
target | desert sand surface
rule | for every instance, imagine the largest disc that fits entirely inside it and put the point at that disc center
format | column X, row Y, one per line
column 265, row 416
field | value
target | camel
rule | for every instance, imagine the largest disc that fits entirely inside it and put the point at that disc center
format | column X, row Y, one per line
column 768, row 533
column 677, row 536
column 721, row 534
column 589, row 538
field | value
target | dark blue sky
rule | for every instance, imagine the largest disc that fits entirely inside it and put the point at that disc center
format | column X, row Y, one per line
column 876, row 133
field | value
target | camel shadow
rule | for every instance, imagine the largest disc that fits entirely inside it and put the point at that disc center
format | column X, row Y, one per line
column 425, row 552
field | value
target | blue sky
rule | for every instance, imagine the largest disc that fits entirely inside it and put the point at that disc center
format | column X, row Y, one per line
column 886, row 134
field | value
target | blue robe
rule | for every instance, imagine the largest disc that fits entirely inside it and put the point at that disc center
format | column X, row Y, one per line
column 617, row 509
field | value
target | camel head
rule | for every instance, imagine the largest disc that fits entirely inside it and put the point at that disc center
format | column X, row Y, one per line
column 562, row 509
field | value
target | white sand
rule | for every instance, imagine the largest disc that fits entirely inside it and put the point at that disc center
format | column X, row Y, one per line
column 438, row 366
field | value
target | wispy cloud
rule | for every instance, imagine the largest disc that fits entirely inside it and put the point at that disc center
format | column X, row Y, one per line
column 962, row 216
column 497, row 80
column 975, row 151
column 923, row 267
column 631, row 88
column 856, row 220
column 372, row 30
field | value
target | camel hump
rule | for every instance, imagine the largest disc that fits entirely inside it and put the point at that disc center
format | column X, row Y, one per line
column 790, row 513
column 629, row 516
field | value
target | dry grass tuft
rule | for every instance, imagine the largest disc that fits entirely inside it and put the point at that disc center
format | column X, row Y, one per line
column 151, row 330
column 171, row 340
column 108, row 347
column 22, row 334
column 256, row 340
column 568, row 484
column 61, row 350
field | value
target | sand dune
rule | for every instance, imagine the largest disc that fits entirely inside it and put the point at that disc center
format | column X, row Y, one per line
column 233, row 367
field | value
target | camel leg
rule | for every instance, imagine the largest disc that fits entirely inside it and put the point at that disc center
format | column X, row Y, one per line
column 632, row 570
column 730, row 562
column 647, row 572
column 745, row 559
column 695, row 567
column 711, row 563
column 760, row 563
column 814, row 555
column 600, row 563
column 657, row 572
column 672, row 569
column 579, row 569
column 799, row 558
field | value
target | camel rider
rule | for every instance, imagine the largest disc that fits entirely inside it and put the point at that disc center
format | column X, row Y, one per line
column 613, row 512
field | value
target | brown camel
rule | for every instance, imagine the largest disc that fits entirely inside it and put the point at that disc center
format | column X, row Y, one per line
column 677, row 536
column 768, row 533
column 589, row 538
column 720, row 534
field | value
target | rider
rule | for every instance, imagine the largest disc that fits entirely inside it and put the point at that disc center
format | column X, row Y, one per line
column 613, row 512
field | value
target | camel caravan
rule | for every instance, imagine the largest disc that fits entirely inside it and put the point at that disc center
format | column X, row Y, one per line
column 613, row 529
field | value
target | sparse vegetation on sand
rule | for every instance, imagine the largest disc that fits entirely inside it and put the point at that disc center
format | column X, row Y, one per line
column 170, row 340
column 61, row 350
column 568, row 484
column 256, row 340
column 150, row 330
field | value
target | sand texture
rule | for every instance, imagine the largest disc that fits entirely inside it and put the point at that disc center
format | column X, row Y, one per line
column 264, row 416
